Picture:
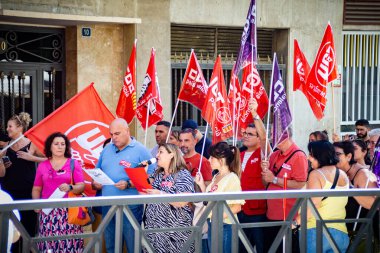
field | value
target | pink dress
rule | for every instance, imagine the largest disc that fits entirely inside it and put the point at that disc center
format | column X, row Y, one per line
column 55, row 223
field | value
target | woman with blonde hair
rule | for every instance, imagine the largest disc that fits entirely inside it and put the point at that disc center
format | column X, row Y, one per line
column 18, row 169
column 226, row 159
column 171, row 177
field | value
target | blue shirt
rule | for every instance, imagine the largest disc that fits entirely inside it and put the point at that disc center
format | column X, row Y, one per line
column 110, row 162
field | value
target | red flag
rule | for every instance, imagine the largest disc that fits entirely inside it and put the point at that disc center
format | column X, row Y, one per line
column 150, row 96
column 234, row 98
column 324, row 70
column 301, row 69
column 194, row 86
column 126, row 107
column 216, row 110
column 252, row 87
column 85, row 120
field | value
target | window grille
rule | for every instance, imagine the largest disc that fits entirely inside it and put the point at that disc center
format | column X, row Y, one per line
column 361, row 77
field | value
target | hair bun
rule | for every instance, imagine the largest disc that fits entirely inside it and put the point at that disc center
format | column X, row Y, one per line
column 25, row 118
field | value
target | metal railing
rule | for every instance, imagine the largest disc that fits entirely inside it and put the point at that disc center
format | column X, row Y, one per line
column 218, row 206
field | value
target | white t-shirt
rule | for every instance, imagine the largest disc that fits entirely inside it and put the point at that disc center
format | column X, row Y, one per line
column 247, row 155
column 13, row 234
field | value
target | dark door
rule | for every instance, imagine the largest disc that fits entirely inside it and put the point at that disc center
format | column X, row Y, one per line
column 32, row 73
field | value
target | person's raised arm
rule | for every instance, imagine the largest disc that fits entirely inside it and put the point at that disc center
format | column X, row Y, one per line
column 259, row 125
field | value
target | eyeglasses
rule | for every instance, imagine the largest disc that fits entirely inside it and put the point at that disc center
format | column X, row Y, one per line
column 245, row 134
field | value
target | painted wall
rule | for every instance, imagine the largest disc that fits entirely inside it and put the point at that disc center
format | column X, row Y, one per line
column 103, row 57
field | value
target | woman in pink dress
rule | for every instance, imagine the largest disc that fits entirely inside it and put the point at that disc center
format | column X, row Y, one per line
column 52, row 174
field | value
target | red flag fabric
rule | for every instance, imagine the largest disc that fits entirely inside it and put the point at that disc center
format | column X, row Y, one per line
column 150, row 96
column 126, row 107
column 301, row 69
column 234, row 99
column 85, row 120
column 324, row 70
column 216, row 110
column 194, row 86
column 252, row 87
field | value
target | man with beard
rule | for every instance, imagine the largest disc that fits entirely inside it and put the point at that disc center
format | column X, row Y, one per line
column 187, row 138
column 161, row 133
column 362, row 128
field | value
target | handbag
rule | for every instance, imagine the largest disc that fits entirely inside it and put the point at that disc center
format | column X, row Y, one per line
column 78, row 215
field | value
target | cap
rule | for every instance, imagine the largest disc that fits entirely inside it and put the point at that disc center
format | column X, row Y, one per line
column 189, row 124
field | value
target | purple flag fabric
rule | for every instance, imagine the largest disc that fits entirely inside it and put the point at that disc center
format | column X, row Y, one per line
column 376, row 162
column 282, row 117
column 248, row 44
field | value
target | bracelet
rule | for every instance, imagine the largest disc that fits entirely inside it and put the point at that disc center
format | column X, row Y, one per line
column 129, row 185
column 71, row 187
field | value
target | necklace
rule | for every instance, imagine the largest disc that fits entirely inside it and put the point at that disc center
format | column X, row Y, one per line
column 349, row 169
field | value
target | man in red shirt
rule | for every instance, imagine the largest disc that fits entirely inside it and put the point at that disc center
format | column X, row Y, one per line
column 192, row 158
column 287, row 159
column 253, row 210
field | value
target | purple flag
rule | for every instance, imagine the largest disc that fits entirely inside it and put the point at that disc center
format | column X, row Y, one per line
column 282, row 117
column 248, row 45
column 376, row 162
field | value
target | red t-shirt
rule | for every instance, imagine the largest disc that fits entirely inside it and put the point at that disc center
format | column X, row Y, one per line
column 251, row 181
column 296, row 169
column 192, row 164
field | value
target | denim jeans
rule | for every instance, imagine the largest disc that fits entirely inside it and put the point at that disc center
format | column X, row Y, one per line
column 128, row 231
column 227, row 236
column 341, row 239
column 254, row 235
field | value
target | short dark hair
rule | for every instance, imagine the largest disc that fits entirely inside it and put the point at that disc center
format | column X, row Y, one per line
column 362, row 122
column 252, row 125
column 49, row 141
column 320, row 135
column 324, row 152
column 188, row 130
column 348, row 148
column 163, row 123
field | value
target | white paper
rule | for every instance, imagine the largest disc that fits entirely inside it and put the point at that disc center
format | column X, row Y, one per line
column 57, row 194
column 99, row 176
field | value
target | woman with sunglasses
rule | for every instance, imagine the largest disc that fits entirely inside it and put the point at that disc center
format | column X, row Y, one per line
column 326, row 176
column 226, row 159
column 53, row 174
column 360, row 177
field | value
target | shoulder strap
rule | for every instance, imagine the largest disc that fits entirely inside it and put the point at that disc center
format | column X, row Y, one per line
column 353, row 179
column 72, row 165
column 335, row 181
column 287, row 159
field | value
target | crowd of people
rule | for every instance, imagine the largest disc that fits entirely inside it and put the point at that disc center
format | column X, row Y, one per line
column 187, row 162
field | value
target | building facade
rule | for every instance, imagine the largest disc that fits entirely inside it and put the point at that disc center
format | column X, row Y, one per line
column 79, row 42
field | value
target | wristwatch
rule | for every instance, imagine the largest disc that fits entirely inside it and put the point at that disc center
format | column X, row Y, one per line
column 275, row 180
column 128, row 184
column 256, row 117
column 70, row 187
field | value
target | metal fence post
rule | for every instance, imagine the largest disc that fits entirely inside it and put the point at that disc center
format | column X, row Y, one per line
column 4, row 224
column 119, row 229
column 217, row 228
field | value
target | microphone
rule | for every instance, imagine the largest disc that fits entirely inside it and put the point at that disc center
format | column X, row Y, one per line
column 149, row 162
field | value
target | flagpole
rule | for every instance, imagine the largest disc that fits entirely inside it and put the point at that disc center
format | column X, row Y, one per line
column 270, row 98
column 203, row 148
column 171, row 123
column 237, row 122
column 147, row 121
column 333, row 107
column 10, row 144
